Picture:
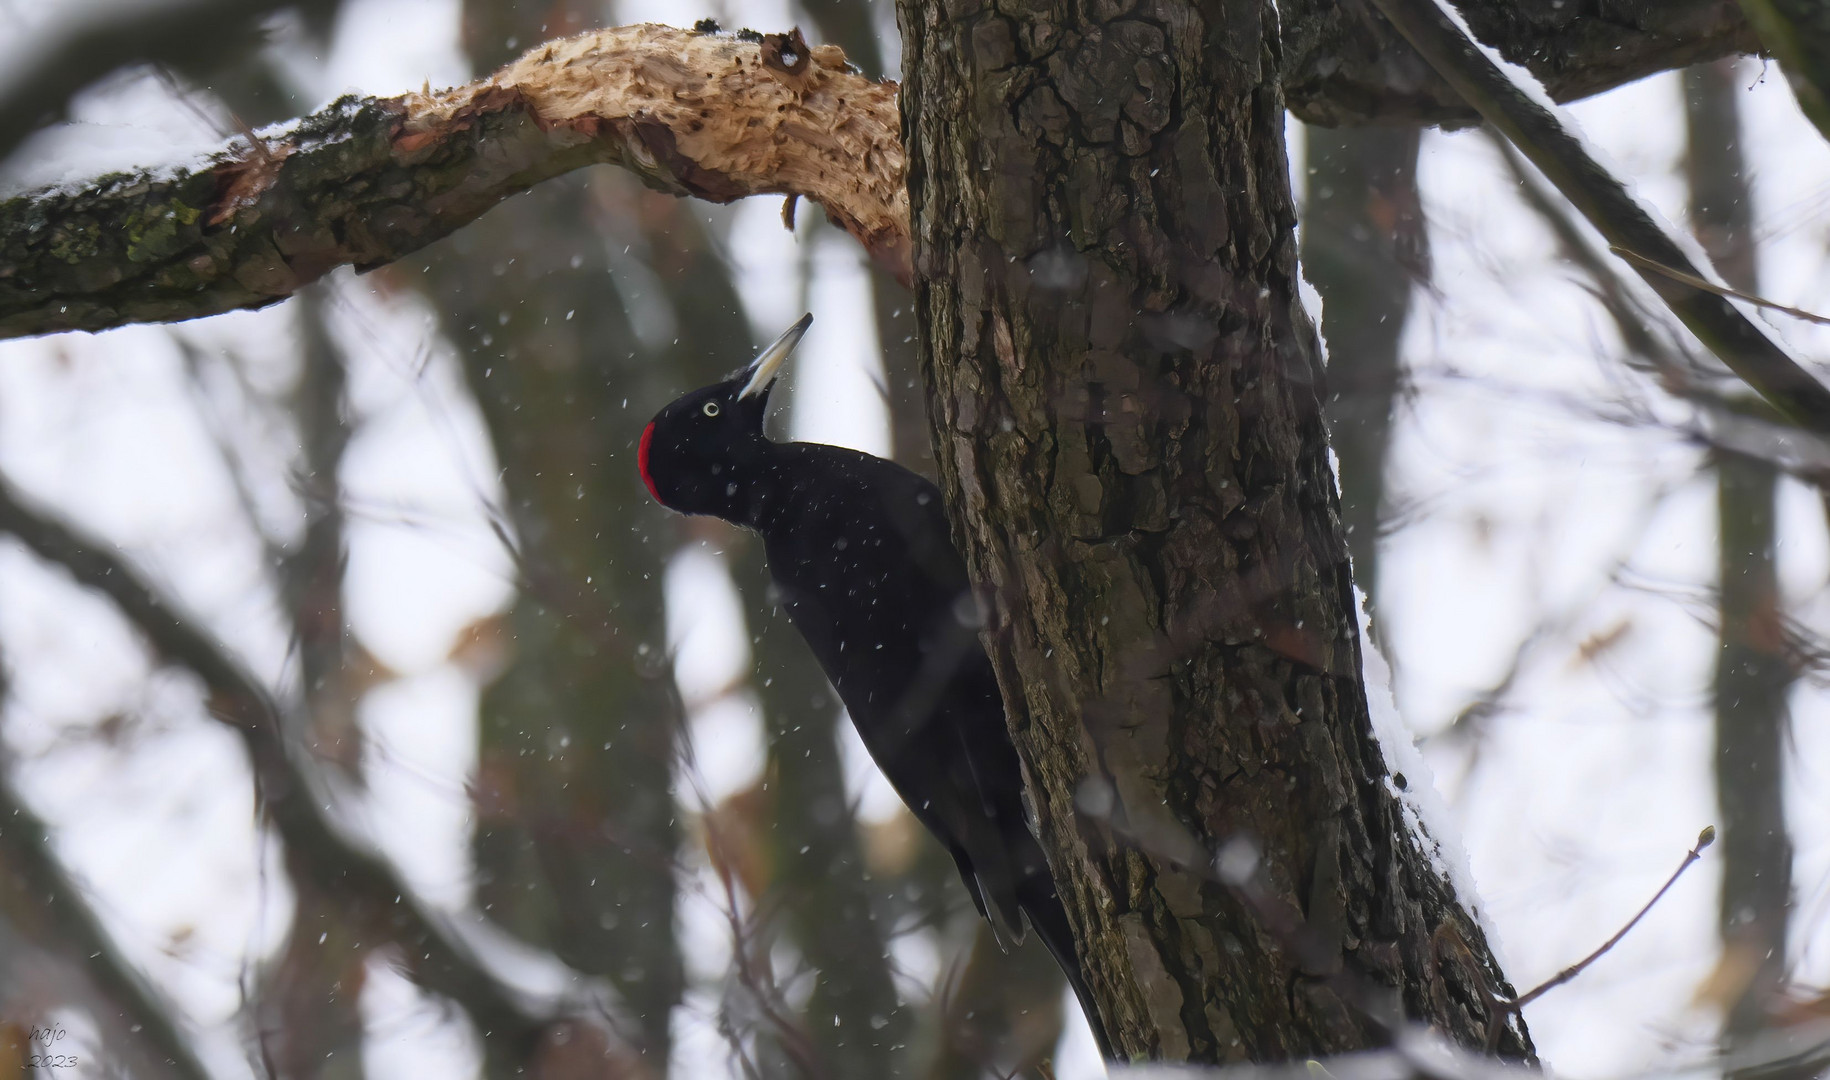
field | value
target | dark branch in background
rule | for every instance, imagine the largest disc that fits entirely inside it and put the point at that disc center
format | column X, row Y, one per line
column 56, row 64
column 368, row 180
column 1365, row 248
column 1650, row 347
column 1797, row 33
column 306, row 1010
column 1540, row 133
column 38, row 897
column 441, row 962
column 1731, row 421
column 1344, row 65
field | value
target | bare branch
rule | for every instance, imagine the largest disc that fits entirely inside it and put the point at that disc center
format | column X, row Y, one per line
column 702, row 114
column 1501, row 1009
column 443, row 960
column 1541, row 133
column 709, row 115
column 1344, row 65
column 40, row 898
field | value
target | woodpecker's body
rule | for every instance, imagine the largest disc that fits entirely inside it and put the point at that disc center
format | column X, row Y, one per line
column 860, row 550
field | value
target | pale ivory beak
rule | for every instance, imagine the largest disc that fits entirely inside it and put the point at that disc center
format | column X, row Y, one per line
column 768, row 363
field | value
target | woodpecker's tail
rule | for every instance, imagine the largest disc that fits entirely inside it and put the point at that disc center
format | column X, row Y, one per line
column 1049, row 919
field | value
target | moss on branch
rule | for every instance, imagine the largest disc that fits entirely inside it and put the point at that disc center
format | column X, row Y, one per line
column 368, row 180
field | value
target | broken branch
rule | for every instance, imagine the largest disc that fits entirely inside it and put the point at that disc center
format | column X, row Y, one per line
column 710, row 115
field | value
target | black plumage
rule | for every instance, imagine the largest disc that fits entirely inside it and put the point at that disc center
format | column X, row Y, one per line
column 860, row 551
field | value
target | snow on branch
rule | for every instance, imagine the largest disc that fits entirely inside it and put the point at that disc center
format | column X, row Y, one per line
column 1510, row 99
column 710, row 115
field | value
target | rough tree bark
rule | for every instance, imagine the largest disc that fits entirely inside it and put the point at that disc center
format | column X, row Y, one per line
column 1123, row 387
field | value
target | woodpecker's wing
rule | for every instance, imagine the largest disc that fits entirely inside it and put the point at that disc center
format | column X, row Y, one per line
column 867, row 567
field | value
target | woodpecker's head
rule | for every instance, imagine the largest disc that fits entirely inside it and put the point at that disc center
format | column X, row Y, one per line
column 699, row 454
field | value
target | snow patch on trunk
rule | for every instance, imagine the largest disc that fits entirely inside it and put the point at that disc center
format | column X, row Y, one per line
column 1426, row 815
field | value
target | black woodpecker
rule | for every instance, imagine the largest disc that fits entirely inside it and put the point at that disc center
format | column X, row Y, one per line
column 867, row 571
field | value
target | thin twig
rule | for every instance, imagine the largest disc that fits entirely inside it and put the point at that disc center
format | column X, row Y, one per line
column 1502, row 1009
column 1696, row 282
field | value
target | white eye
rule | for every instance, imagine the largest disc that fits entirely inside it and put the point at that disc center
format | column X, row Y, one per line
column 711, row 408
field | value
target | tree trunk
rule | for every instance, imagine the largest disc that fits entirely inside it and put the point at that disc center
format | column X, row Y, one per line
column 576, row 825
column 310, row 1026
column 1753, row 673
column 1364, row 246
column 1123, row 387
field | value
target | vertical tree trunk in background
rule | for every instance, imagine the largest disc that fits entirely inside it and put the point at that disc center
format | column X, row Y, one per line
column 308, row 1020
column 576, row 827
column 1364, row 246
column 1123, row 390
column 1753, row 672
column 307, row 1017
column 819, row 886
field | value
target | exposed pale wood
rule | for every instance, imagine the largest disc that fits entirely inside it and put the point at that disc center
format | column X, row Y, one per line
column 711, row 115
